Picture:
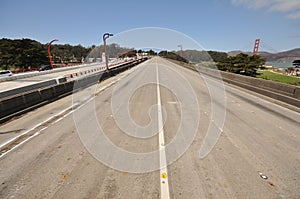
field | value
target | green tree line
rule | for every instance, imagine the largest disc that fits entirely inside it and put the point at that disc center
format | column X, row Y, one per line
column 241, row 63
column 202, row 56
column 65, row 53
column 172, row 55
column 21, row 53
column 25, row 53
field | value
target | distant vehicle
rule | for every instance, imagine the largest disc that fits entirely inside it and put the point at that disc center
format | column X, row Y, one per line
column 5, row 73
column 45, row 67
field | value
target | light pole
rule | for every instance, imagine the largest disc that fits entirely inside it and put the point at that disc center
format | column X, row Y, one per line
column 49, row 53
column 105, row 36
column 180, row 46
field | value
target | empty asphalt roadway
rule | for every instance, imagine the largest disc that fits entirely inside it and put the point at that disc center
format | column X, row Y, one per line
column 114, row 139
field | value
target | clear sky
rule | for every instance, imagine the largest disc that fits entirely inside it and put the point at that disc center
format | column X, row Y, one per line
column 223, row 25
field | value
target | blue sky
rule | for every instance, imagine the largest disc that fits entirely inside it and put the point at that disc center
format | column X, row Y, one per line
column 222, row 25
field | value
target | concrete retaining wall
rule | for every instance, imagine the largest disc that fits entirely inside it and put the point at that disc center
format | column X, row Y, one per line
column 297, row 93
column 283, row 92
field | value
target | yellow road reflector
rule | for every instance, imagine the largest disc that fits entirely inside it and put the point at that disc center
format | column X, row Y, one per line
column 164, row 175
column 64, row 176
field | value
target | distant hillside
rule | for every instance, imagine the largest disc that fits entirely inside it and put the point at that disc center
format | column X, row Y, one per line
column 236, row 52
column 285, row 56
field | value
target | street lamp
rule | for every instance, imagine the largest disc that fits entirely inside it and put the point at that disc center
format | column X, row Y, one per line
column 49, row 53
column 180, row 46
column 105, row 36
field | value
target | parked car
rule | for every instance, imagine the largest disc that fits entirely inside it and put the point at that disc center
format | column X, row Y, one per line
column 5, row 73
column 45, row 67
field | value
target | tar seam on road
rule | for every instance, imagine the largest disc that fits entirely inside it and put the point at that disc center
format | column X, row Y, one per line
column 59, row 115
column 164, row 182
column 33, row 128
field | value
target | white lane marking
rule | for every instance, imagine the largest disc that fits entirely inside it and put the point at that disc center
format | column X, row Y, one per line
column 26, row 140
column 36, row 126
column 164, row 182
column 61, row 116
column 172, row 102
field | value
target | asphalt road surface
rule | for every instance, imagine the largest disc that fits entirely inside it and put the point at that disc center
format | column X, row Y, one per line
column 107, row 141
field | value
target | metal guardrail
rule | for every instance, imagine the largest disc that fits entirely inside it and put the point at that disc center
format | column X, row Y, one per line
column 37, row 73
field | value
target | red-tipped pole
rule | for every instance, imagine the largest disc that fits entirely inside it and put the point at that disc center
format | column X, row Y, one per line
column 49, row 53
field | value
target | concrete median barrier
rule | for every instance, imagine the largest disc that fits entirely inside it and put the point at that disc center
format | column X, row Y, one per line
column 12, row 105
column 60, row 89
column 47, row 93
column 18, row 103
column 28, row 88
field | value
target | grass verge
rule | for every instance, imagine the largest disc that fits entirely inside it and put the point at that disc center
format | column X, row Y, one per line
column 279, row 77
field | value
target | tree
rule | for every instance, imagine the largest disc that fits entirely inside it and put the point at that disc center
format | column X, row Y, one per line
column 217, row 56
column 241, row 64
column 151, row 52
